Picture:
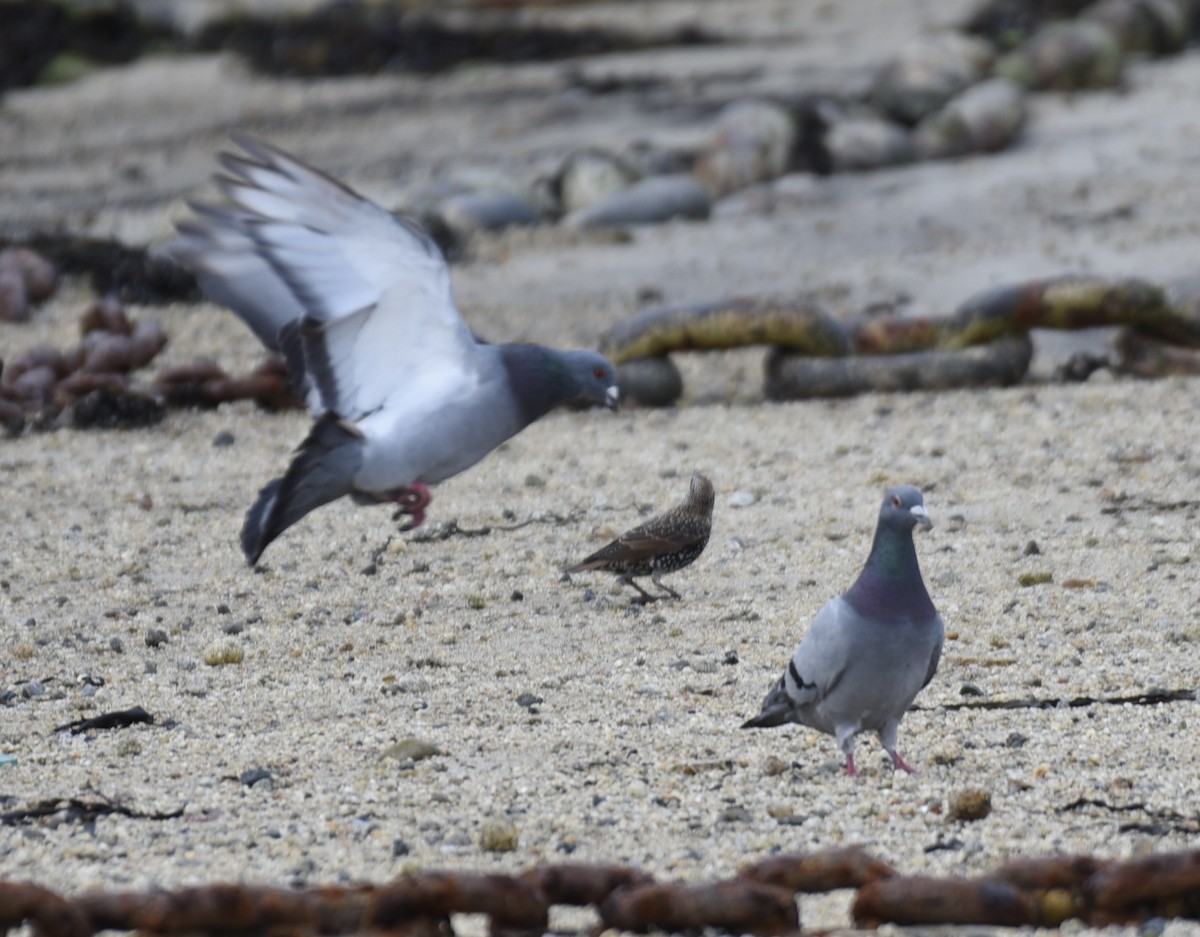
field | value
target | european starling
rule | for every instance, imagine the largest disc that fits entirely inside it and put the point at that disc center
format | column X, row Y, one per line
column 662, row 545
column 869, row 652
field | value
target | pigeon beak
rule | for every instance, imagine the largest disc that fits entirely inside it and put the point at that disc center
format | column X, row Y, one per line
column 922, row 516
column 612, row 397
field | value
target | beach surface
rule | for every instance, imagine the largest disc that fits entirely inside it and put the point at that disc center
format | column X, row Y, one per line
column 595, row 730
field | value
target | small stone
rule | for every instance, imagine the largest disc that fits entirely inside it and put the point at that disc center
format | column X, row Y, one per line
column 1032, row 549
column 223, row 439
column 252, row 776
column 411, row 682
column 529, row 700
column 1035, row 579
column 774, row 766
column 197, row 685
column 970, row 805
column 411, row 749
column 233, row 627
column 224, row 651
column 780, row 811
column 128, row 747
column 116, row 645
column 741, row 499
column 399, row 848
column 735, row 814
column 498, row 836
column 33, row 689
column 156, row 637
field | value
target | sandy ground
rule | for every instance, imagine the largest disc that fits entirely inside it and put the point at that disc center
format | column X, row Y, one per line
column 633, row 753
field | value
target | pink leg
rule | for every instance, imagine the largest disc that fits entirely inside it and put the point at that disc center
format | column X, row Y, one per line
column 851, row 770
column 901, row 763
column 411, row 501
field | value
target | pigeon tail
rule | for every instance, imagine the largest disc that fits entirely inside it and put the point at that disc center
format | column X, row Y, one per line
column 776, row 709
column 322, row 471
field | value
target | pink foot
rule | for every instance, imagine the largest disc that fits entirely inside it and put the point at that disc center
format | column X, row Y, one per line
column 411, row 501
column 901, row 763
column 851, row 770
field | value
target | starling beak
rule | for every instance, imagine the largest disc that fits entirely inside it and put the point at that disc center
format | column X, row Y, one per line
column 664, row 544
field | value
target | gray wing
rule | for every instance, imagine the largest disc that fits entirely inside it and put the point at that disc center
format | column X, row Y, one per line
column 936, row 656
column 822, row 658
column 368, row 292
column 217, row 248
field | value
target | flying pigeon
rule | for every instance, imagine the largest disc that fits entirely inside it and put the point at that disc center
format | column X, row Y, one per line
column 869, row 652
column 358, row 301
column 664, row 544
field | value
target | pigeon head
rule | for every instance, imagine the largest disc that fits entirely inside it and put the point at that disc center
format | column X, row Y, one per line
column 700, row 496
column 904, row 508
column 544, row 378
column 890, row 583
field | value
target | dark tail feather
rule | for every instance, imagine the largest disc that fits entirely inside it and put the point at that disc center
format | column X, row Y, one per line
column 322, row 471
column 776, row 709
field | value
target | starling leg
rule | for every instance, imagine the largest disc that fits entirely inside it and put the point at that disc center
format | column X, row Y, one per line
column 645, row 598
column 654, row 578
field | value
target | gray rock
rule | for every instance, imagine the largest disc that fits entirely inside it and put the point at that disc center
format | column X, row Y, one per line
column 927, row 73
column 751, row 142
column 486, row 211
column 861, row 142
column 655, row 199
column 590, row 176
column 983, row 119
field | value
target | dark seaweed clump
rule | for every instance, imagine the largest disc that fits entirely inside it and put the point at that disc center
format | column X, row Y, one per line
column 355, row 37
column 33, row 32
column 343, row 38
column 131, row 274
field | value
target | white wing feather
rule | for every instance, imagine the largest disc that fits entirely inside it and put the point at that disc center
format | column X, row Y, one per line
column 374, row 290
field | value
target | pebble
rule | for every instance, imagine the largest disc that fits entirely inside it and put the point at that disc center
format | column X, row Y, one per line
column 970, row 805
column 927, row 73
column 498, row 836
column 652, row 200
column 741, row 499
column 252, row 776
column 751, row 141
column 411, row 749
column 411, row 682
column 983, row 119
column 860, row 143
column 590, row 176
column 155, row 637
column 486, row 211
column 649, row 382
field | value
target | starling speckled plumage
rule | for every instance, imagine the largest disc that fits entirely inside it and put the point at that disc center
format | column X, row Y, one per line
column 664, row 544
column 869, row 652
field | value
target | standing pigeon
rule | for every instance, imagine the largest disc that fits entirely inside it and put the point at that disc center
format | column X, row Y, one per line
column 868, row 653
column 664, row 544
column 358, row 300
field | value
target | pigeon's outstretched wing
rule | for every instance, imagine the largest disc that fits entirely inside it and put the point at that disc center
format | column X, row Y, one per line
column 358, row 296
